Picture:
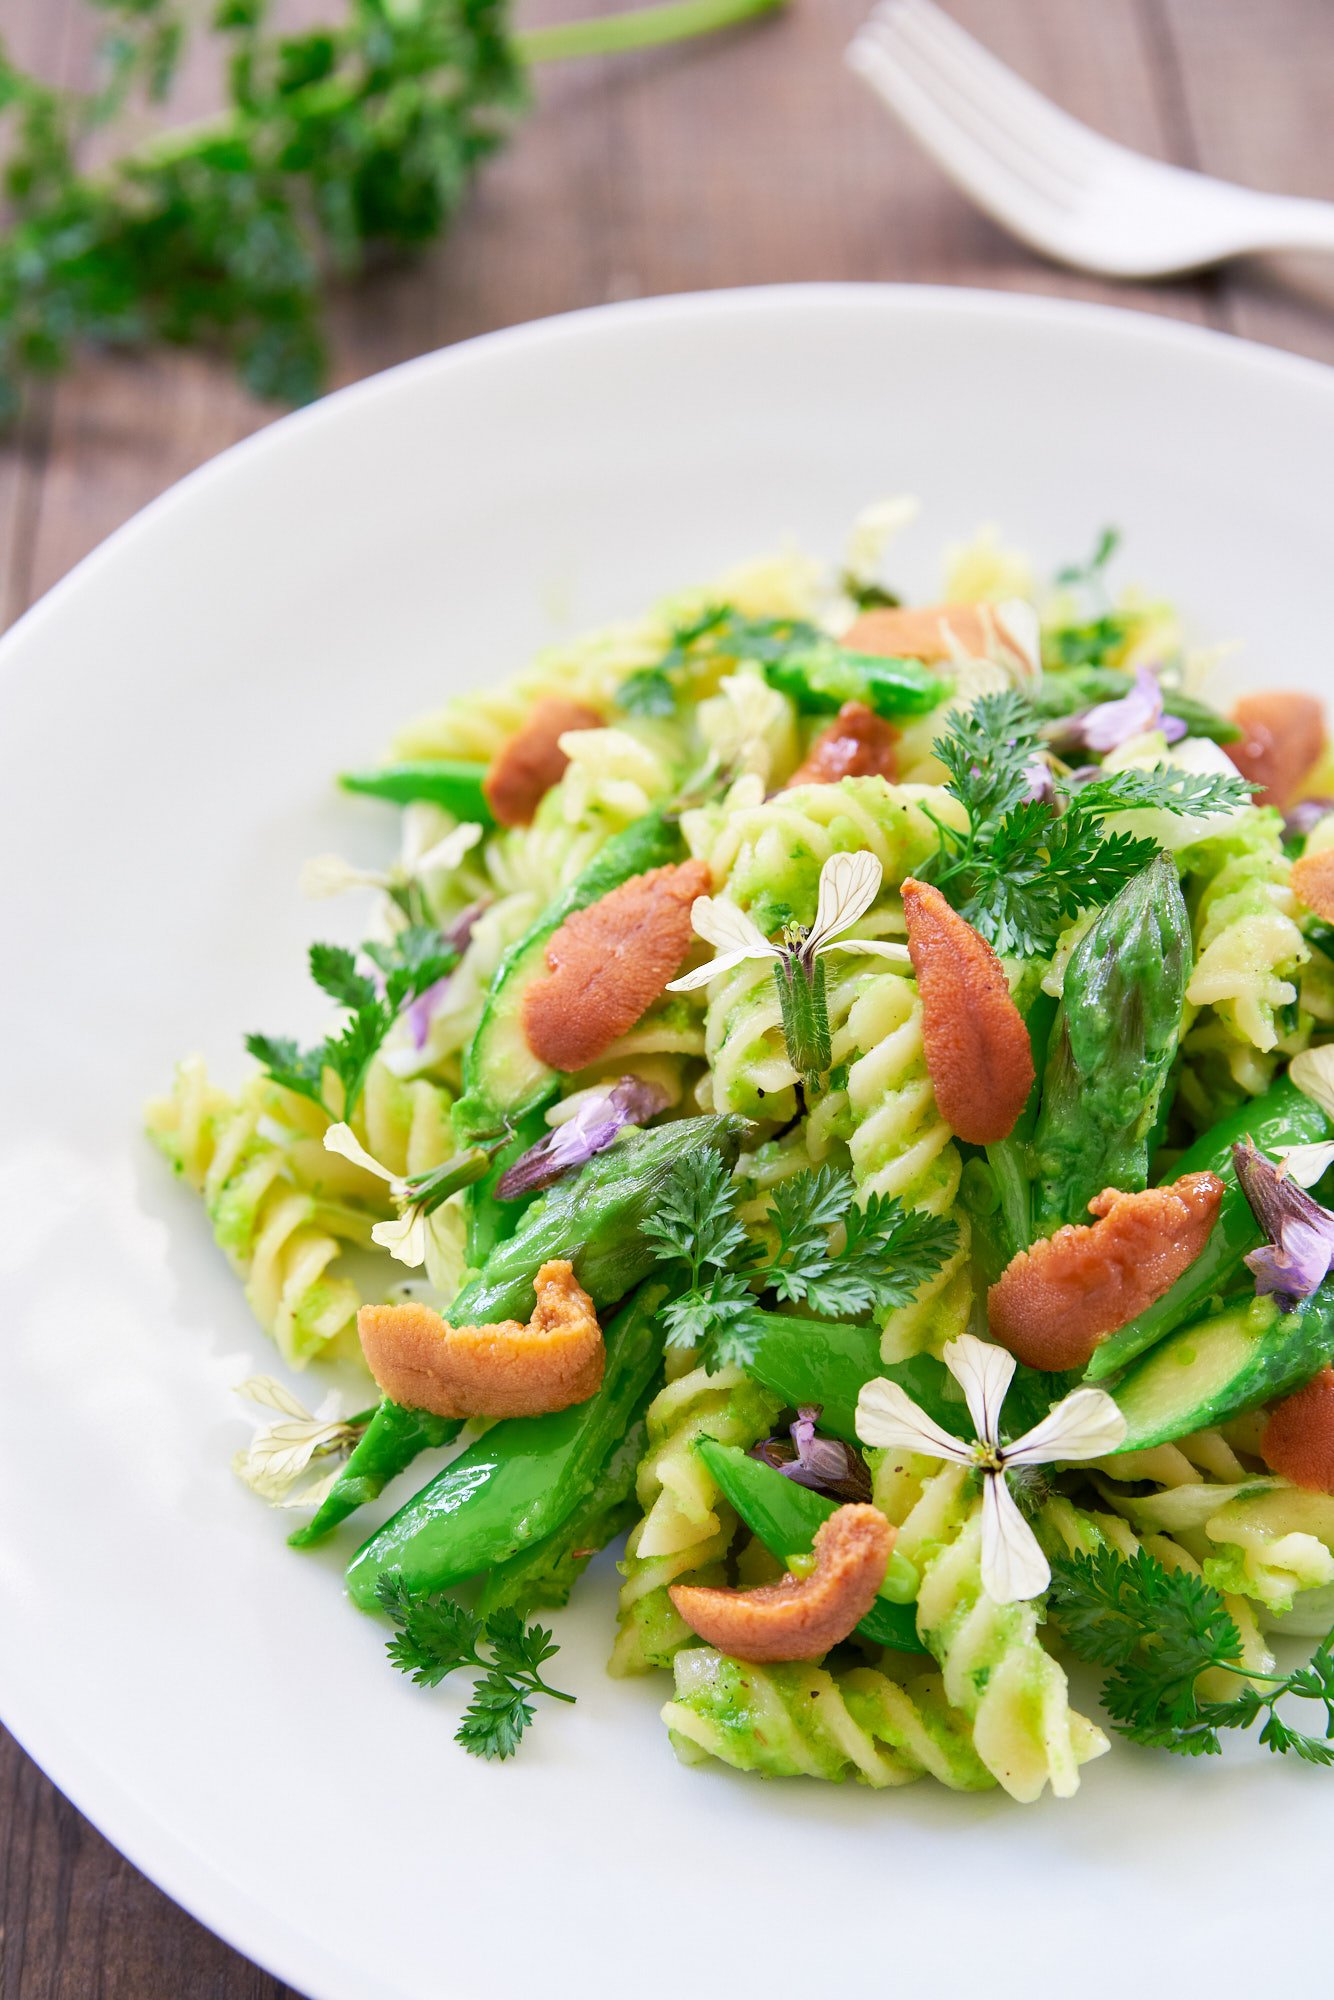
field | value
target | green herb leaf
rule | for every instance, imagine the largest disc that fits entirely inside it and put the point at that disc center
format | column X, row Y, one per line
column 1158, row 1630
column 334, row 968
column 436, row 1635
column 647, row 692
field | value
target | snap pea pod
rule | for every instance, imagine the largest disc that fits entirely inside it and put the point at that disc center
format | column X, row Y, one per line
column 388, row 1445
column 820, row 679
column 438, row 781
column 1112, row 1045
column 502, row 1078
column 516, row 1485
column 1281, row 1118
column 543, row 1575
column 787, row 1518
column 828, row 1362
column 487, row 1220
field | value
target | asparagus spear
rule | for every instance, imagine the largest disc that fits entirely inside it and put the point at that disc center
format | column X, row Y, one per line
column 1112, row 1046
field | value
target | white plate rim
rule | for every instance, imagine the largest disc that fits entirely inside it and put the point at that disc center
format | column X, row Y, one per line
column 230, row 1909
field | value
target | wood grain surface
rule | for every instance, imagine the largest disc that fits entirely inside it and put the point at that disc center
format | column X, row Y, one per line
column 743, row 160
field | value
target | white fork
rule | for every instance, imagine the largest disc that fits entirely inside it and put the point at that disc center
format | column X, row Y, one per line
column 1060, row 187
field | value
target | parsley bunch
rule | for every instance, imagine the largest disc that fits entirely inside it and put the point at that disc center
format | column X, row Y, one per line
column 1023, row 868
column 886, row 1254
column 355, row 138
column 1158, row 1630
column 436, row 1635
column 416, row 958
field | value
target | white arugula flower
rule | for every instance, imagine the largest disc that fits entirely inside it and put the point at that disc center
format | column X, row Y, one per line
column 426, row 1229
column 329, row 875
column 1087, row 1424
column 849, row 884
column 277, row 1458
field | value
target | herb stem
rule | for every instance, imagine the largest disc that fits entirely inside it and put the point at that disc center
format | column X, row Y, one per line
column 641, row 28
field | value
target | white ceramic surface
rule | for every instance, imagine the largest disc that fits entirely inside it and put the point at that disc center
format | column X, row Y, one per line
column 169, row 718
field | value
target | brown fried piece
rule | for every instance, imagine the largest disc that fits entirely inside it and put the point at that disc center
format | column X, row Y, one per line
column 525, row 768
column 857, row 744
column 798, row 1618
column 1282, row 735
column 1057, row 1300
column 506, row 1370
column 978, row 1054
column 1313, row 883
column 610, row 962
column 931, row 632
column 1298, row 1439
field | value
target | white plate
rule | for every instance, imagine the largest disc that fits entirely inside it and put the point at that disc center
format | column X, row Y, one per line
column 169, row 718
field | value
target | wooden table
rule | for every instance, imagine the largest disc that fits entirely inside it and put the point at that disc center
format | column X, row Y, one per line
column 747, row 159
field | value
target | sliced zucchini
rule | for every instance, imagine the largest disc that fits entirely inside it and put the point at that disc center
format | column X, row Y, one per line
column 1246, row 1354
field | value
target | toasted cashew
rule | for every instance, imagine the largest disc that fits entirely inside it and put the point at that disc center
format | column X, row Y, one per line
column 506, row 1370
column 1298, row 1440
column 608, row 964
column 525, row 768
column 799, row 1618
column 1282, row 735
column 1054, row 1302
column 857, row 744
column 977, row 1050
column 933, row 632
column 1313, row 883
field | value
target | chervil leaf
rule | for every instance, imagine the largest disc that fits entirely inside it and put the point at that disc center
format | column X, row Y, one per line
column 334, row 968
column 693, row 1316
column 436, row 1635
column 696, row 1217
column 1158, row 1630
column 649, row 691
column 494, row 1719
column 301, row 1070
column 803, row 1211
column 890, row 1252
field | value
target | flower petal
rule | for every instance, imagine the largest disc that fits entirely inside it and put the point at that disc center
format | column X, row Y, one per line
column 341, row 1139
column 448, row 853
column 849, row 884
column 984, row 1372
column 724, row 962
column 405, row 1238
column 1111, row 723
column 593, row 1123
column 329, row 875
column 1313, row 1073
column 1085, row 1425
column 1013, row 1565
column 897, row 954
column 1308, row 1164
column 272, row 1395
column 721, row 923
column 887, row 1415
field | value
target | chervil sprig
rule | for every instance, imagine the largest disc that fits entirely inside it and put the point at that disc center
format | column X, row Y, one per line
column 1025, row 866
column 436, row 1636
column 1158, row 1630
column 417, row 957
column 886, row 1253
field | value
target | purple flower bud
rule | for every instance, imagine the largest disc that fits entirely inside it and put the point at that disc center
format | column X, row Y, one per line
column 1300, row 1250
column 630, row 1101
column 1112, row 723
column 825, row 1465
column 1304, row 817
column 1040, row 788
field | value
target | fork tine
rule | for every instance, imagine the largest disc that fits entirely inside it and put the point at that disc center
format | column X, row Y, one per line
column 1011, row 199
column 994, row 90
column 903, row 79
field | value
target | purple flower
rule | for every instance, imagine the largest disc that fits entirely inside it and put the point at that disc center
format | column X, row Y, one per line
column 1040, row 788
column 1300, row 1250
column 1112, row 723
column 1304, row 817
column 591, row 1129
column 420, row 1013
column 826, row 1465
